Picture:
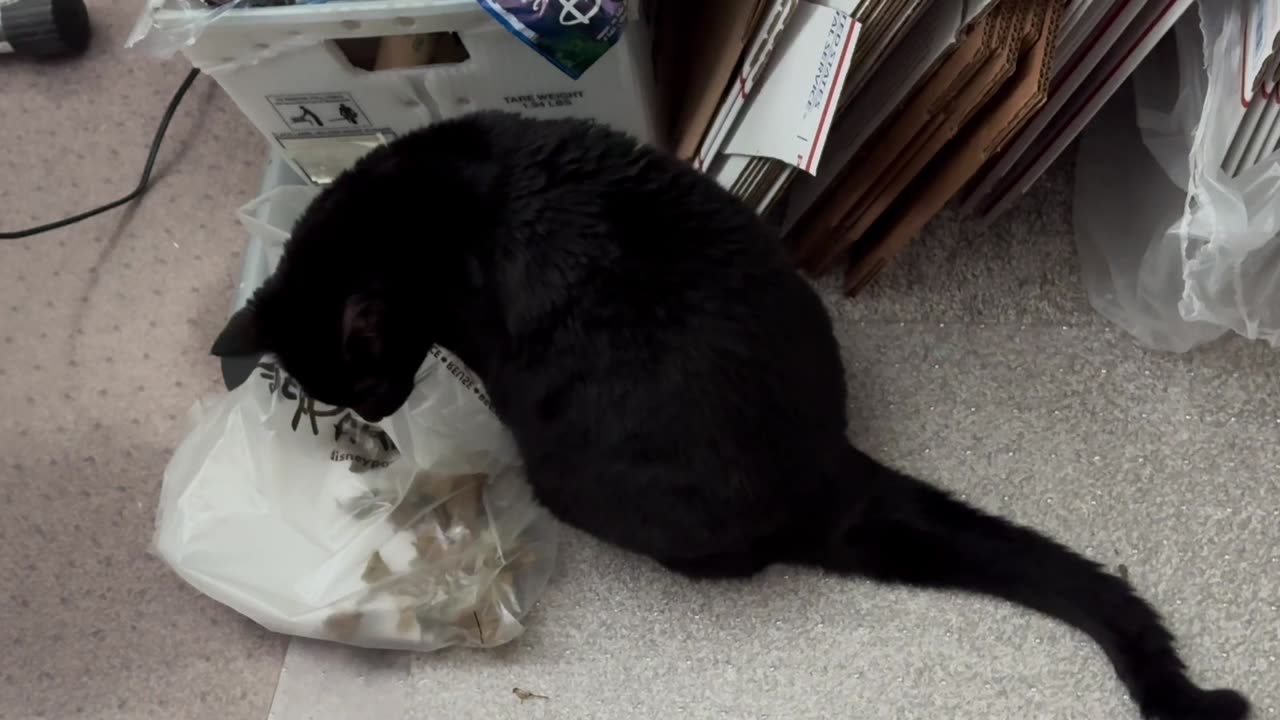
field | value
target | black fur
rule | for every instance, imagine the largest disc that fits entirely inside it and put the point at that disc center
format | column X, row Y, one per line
column 673, row 385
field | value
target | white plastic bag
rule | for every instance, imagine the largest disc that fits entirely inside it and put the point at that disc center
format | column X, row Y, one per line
column 1172, row 248
column 417, row 533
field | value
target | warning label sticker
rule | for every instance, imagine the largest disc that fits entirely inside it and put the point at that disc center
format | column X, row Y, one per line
column 317, row 111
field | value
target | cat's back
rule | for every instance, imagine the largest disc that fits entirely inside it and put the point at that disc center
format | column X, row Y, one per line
column 586, row 193
column 647, row 291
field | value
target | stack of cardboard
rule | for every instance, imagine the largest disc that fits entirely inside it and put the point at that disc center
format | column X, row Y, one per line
column 988, row 72
column 1108, row 40
column 769, row 78
column 975, row 102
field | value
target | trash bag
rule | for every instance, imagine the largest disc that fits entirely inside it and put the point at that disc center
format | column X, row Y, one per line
column 1173, row 249
column 416, row 533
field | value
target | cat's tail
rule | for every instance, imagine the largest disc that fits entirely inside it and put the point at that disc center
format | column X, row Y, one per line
column 895, row 528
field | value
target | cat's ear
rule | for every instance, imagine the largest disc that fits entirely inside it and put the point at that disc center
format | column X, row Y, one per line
column 242, row 336
column 364, row 320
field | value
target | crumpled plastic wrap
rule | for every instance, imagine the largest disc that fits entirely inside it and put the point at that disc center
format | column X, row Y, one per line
column 570, row 36
column 1173, row 249
column 166, row 27
column 417, row 533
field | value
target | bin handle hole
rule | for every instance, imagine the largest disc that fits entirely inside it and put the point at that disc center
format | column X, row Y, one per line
column 397, row 52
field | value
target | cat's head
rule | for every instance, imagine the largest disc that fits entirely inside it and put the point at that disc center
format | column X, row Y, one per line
column 343, row 311
column 351, row 349
column 371, row 269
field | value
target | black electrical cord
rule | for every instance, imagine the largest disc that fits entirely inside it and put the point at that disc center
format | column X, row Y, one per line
column 142, row 184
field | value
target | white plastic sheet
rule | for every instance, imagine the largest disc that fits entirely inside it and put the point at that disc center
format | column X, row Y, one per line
column 417, row 533
column 166, row 27
column 1173, row 249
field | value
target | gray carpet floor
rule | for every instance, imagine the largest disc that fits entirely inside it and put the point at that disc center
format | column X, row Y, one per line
column 975, row 362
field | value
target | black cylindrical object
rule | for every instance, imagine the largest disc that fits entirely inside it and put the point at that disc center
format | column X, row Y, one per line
column 43, row 28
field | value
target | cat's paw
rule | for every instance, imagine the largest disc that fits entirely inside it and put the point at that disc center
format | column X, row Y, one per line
column 1192, row 703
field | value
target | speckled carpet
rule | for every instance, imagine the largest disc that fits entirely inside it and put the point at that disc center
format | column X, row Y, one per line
column 974, row 362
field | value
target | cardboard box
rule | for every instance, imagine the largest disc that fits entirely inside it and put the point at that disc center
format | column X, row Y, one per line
column 311, row 79
column 788, row 115
column 980, row 95
column 1116, row 64
column 969, row 75
column 905, row 68
column 883, row 25
column 784, row 112
column 707, row 45
column 981, row 139
column 752, row 66
column 1077, row 63
column 952, row 113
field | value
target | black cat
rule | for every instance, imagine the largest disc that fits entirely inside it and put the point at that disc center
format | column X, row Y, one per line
column 672, row 383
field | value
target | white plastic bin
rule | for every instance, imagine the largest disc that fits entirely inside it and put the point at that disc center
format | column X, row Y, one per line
column 293, row 71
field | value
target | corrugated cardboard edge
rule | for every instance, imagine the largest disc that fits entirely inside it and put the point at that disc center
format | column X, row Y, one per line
column 1007, row 17
column 970, row 101
column 815, row 244
column 900, row 145
column 770, row 171
column 1020, row 99
column 1041, row 58
column 880, row 101
column 1075, row 116
column 900, row 27
column 1071, row 69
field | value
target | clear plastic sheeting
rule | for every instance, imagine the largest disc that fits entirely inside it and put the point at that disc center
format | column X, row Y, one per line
column 1172, row 248
column 416, row 533
column 271, row 27
column 165, row 27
